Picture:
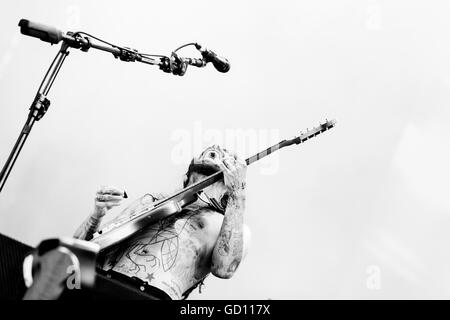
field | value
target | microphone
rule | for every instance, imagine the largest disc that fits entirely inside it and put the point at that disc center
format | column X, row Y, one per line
column 221, row 64
column 41, row 31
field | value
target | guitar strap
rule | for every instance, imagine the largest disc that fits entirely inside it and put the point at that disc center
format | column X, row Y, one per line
column 198, row 285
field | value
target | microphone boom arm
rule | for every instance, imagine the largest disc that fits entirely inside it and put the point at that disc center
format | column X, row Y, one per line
column 84, row 42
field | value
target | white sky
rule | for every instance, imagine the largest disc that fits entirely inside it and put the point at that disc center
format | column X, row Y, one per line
column 360, row 212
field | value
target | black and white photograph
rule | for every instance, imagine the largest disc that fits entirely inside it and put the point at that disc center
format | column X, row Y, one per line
column 224, row 151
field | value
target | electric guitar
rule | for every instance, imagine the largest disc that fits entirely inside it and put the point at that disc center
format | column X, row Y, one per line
column 152, row 212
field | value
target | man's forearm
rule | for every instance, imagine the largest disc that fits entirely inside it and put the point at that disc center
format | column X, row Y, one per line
column 228, row 252
column 88, row 228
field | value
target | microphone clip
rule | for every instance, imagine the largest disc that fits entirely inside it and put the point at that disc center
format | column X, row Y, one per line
column 127, row 54
column 177, row 65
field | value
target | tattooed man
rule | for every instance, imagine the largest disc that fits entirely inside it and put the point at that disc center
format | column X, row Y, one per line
column 170, row 258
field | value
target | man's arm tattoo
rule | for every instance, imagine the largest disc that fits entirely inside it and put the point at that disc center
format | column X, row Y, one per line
column 88, row 228
column 228, row 252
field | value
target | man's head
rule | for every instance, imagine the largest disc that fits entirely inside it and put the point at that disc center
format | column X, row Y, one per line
column 206, row 164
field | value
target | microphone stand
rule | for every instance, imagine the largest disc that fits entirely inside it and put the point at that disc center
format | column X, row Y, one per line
column 41, row 103
column 37, row 109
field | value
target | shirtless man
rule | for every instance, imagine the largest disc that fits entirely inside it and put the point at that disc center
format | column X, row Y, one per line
column 175, row 255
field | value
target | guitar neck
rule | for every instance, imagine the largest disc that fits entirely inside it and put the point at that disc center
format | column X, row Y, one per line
column 266, row 152
column 297, row 140
column 197, row 187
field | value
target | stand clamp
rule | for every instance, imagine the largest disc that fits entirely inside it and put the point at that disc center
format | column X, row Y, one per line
column 39, row 106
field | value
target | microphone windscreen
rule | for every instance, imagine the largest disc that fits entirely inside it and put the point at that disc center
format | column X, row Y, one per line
column 41, row 31
column 221, row 64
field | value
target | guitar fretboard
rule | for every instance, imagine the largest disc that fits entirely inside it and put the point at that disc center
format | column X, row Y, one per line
column 264, row 153
column 300, row 139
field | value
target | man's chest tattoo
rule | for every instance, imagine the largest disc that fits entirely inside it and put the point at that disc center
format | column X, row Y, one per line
column 159, row 246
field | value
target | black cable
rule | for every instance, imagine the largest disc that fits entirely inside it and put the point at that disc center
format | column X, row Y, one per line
column 98, row 39
column 211, row 202
column 153, row 55
column 184, row 46
column 200, row 197
column 118, row 47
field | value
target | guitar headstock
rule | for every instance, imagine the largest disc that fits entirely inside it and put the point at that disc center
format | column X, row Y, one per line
column 310, row 133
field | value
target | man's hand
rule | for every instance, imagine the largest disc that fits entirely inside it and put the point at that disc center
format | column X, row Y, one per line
column 106, row 198
column 234, row 173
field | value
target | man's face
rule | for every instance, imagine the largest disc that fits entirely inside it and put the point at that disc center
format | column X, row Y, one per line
column 206, row 164
column 212, row 156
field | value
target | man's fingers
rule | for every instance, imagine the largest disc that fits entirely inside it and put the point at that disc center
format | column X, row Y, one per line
column 227, row 163
column 241, row 162
column 108, row 197
column 230, row 163
column 224, row 167
column 109, row 205
column 111, row 190
column 237, row 160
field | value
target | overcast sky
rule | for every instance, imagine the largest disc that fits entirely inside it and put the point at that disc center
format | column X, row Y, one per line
column 361, row 211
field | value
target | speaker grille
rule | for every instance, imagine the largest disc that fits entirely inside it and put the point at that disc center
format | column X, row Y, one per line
column 12, row 253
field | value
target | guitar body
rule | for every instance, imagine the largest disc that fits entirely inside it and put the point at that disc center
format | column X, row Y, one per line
column 111, row 237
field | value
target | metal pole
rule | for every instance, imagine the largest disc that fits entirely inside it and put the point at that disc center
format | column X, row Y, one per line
column 37, row 111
